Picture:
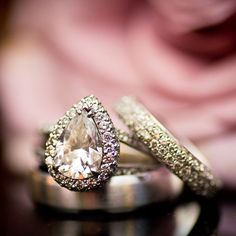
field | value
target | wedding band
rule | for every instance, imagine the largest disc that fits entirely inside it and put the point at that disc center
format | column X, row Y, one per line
column 121, row 193
column 83, row 148
column 166, row 149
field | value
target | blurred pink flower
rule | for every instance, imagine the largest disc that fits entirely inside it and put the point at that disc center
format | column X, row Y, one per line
column 178, row 57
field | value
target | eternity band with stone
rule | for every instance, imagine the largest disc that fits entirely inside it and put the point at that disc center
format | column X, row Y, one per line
column 83, row 149
column 166, row 149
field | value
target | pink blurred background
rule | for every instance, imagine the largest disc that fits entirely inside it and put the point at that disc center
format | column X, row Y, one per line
column 178, row 57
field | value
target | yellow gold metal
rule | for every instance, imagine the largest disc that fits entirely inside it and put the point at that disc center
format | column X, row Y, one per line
column 165, row 148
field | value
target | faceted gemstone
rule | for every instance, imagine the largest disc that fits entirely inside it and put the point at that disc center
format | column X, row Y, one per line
column 79, row 152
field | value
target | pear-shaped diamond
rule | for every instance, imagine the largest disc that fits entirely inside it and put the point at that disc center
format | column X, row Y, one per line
column 79, row 152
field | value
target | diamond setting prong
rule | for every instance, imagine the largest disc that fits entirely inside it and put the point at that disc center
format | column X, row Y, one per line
column 82, row 151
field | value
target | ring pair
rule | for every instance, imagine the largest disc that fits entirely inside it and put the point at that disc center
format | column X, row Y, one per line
column 83, row 148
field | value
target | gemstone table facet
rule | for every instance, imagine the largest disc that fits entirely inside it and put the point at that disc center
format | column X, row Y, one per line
column 79, row 152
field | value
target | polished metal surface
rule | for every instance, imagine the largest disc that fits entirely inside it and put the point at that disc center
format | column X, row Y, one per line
column 122, row 193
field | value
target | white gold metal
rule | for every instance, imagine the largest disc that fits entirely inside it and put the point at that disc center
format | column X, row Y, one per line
column 121, row 193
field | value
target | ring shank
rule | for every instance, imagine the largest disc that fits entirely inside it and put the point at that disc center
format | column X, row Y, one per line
column 120, row 194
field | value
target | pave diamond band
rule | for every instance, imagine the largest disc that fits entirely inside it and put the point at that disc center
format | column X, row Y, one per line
column 167, row 149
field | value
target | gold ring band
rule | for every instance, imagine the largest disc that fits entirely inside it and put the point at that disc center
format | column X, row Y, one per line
column 166, row 149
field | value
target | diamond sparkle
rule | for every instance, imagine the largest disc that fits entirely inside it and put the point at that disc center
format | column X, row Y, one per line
column 79, row 151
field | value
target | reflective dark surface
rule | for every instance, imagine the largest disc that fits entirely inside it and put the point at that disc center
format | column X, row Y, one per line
column 184, row 217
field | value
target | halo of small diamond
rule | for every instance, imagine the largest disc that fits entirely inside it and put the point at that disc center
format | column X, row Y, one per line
column 111, row 149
